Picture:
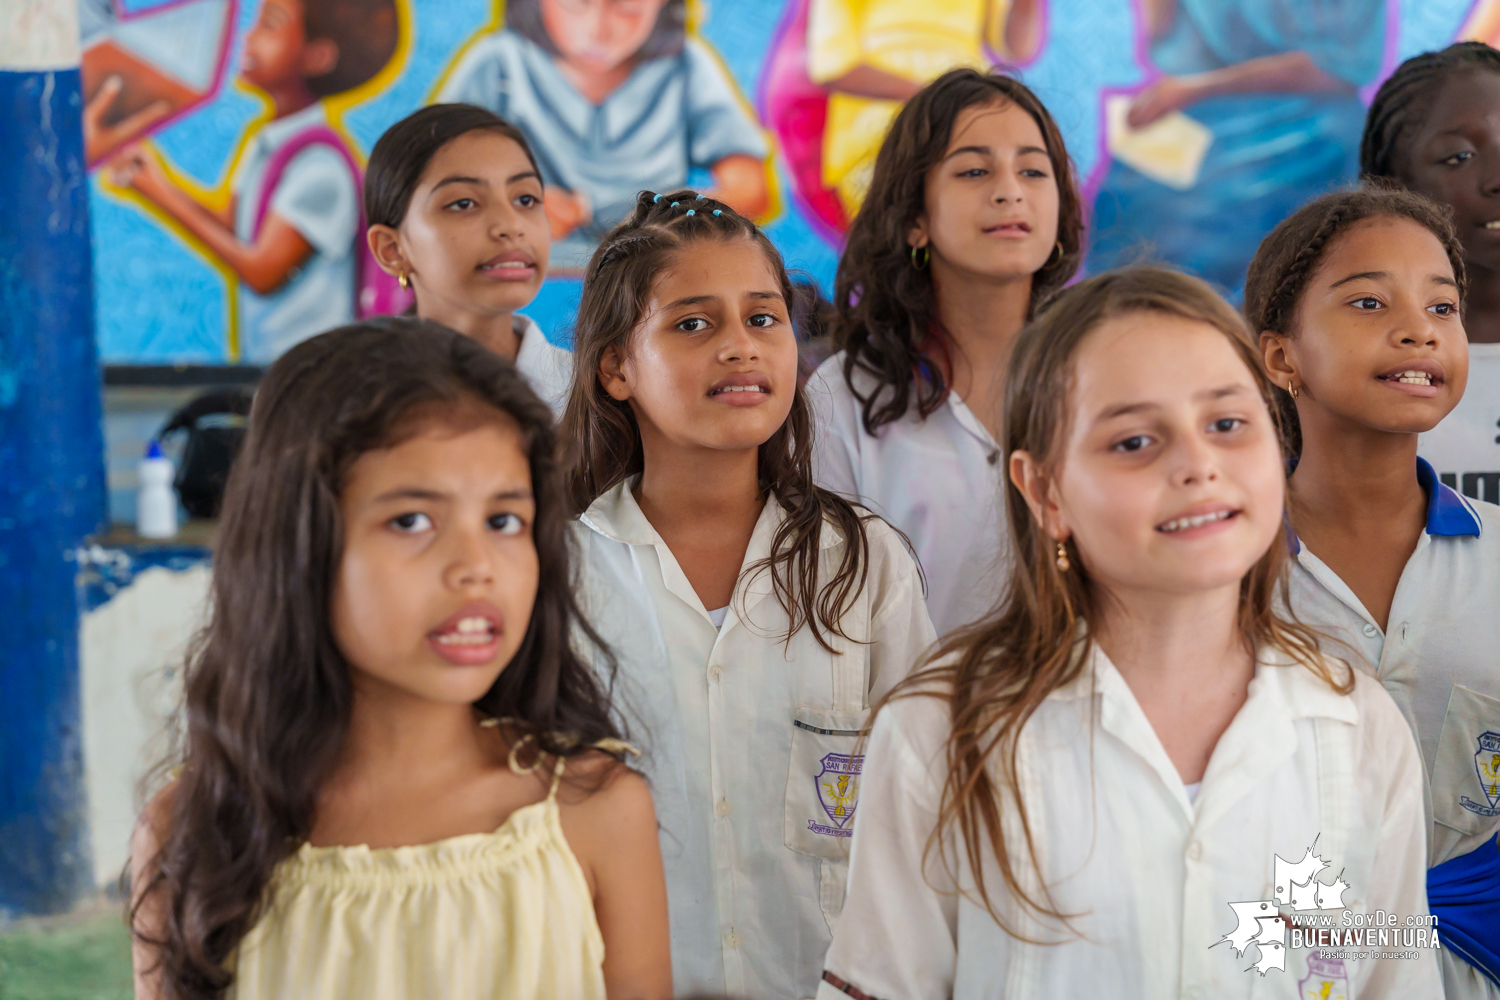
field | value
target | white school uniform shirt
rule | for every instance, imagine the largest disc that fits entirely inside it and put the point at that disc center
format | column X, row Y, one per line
column 1465, row 447
column 548, row 369
column 1150, row 874
column 1439, row 657
column 939, row 479
column 751, row 742
column 318, row 196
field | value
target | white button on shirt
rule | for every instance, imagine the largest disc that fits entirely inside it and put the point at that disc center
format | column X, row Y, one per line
column 940, row 480
column 1439, row 657
column 1149, row 874
column 751, row 744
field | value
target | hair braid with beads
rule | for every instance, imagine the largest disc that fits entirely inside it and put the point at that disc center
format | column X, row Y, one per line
column 605, row 440
column 1407, row 94
column 1291, row 253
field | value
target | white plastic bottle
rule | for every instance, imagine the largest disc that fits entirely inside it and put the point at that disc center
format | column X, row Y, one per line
column 155, row 501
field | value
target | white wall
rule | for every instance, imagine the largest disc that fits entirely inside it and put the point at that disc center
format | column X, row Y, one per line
column 132, row 650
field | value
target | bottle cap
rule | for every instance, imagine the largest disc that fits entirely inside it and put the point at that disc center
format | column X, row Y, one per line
column 153, row 450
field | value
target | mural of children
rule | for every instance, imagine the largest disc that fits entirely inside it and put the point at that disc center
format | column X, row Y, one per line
column 615, row 97
column 1275, row 83
column 291, row 231
column 873, row 55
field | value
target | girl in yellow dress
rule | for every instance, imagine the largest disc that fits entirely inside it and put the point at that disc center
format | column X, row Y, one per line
column 398, row 779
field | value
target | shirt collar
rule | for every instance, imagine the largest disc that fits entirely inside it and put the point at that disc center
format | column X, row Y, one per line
column 1299, row 692
column 1449, row 512
column 274, row 133
column 617, row 516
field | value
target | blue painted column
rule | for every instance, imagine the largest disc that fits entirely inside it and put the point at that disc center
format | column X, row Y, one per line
column 51, row 454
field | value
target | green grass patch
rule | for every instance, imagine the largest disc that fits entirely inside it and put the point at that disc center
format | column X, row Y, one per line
column 82, row 957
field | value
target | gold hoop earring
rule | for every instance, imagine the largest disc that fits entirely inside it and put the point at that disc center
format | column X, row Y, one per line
column 1063, row 565
column 403, row 280
column 1061, row 253
column 1291, row 388
column 920, row 263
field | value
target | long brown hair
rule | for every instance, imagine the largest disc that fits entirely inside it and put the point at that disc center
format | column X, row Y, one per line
column 1290, row 254
column 268, row 694
column 886, row 307
column 996, row 674
column 606, row 440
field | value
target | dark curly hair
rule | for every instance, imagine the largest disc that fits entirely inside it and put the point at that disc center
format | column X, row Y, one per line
column 1405, row 97
column 366, row 33
column 886, row 307
column 606, row 441
column 268, row 694
column 1291, row 253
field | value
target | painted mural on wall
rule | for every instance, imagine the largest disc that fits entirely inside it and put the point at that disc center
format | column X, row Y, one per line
column 227, row 137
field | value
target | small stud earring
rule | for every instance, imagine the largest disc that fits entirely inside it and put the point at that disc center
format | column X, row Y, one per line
column 1063, row 564
column 403, row 280
column 1291, row 388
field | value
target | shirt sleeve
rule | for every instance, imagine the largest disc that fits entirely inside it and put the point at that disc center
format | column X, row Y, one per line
column 897, row 934
column 1400, row 861
column 836, row 429
column 317, row 197
column 834, row 42
column 479, row 78
column 718, row 121
column 903, row 633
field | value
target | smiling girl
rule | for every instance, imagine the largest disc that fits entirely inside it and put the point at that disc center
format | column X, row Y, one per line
column 1357, row 298
column 1066, row 802
column 454, row 200
column 754, row 614
column 1432, row 128
column 398, row 779
column 971, row 220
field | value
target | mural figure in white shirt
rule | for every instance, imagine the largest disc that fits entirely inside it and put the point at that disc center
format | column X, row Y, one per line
column 454, row 199
column 1358, row 298
column 1026, row 827
column 1432, row 129
column 754, row 616
column 971, row 220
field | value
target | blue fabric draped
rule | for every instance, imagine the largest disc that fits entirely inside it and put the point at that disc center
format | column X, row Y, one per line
column 1464, row 894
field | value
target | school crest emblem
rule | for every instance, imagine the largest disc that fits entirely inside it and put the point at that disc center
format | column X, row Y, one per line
column 837, row 782
column 1326, row 979
column 1487, row 766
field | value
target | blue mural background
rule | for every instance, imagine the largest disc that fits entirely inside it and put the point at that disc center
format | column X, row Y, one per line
column 160, row 301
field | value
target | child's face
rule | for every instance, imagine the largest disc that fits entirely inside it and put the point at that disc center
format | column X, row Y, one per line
column 276, row 48
column 713, row 363
column 1454, row 157
column 439, row 572
column 992, row 203
column 1170, row 480
column 475, row 235
column 1380, row 306
column 599, row 35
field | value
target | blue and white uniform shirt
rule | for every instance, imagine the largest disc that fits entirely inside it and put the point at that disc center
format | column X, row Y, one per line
column 1439, row 657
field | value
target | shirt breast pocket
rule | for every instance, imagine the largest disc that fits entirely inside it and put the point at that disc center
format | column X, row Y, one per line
column 822, row 784
column 1466, row 772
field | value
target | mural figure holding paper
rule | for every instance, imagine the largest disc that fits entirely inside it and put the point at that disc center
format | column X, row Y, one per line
column 1254, row 111
column 869, row 57
column 141, row 70
column 615, row 97
column 291, row 231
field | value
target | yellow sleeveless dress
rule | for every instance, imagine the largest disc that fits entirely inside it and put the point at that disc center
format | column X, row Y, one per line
column 506, row 915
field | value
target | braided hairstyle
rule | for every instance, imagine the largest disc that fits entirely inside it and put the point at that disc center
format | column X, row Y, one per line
column 1407, row 95
column 1290, row 254
column 606, row 441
